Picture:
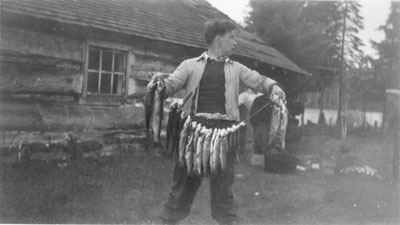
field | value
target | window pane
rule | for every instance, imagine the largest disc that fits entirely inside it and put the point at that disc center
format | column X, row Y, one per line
column 118, row 84
column 93, row 83
column 105, row 86
column 94, row 59
column 119, row 62
column 106, row 61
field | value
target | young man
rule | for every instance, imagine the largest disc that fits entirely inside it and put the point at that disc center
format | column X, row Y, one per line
column 211, row 84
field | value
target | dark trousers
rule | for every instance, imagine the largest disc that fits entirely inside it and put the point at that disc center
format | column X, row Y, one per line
column 185, row 187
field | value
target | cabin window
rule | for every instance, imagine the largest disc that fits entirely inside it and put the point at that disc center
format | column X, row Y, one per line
column 106, row 71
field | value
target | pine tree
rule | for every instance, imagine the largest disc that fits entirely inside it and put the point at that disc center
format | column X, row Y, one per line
column 309, row 32
column 386, row 67
column 313, row 34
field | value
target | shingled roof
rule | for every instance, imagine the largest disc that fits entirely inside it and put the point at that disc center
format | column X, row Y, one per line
column 175, row 21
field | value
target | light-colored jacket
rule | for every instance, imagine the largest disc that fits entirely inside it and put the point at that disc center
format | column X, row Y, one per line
column 189, row 73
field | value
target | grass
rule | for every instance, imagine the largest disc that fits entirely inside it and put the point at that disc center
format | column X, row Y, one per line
column 132, row 186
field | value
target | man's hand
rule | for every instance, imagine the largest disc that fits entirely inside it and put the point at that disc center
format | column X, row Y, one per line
column 277, row 93
column 157, row 79
column 152, row 84
column 160, row 84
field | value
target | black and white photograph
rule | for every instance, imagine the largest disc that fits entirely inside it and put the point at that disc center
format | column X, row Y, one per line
column 214, row 112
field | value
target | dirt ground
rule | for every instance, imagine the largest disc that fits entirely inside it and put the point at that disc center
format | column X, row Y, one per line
column 130, row 187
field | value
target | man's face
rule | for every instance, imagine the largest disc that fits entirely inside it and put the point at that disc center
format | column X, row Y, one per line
column 227, row 42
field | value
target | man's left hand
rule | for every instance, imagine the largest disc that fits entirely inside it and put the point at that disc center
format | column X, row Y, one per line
column 277, row 91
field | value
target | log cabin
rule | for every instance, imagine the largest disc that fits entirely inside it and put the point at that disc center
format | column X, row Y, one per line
column 84, row 64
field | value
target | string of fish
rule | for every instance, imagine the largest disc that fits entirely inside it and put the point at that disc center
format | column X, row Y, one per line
column 202, row 148
column 279, row 121
column 154, row 110
column 201, row 144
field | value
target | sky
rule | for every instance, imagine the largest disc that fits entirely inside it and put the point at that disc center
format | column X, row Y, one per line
column 375, row 13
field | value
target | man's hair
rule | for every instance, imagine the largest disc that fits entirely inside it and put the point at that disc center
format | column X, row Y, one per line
column 217, row 27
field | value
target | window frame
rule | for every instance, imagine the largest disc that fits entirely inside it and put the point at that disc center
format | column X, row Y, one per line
column 105, row 99
column 100, row 71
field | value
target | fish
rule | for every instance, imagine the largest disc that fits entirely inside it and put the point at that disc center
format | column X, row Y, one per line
column 213, row 136
column 283, row 124
column 234, row 140
column 238, row 142
column 148, row 103
column 157, row 114
column 230, row 137
column 199, row 151
column 195, row 139
column 170, row 124
column 176, row 133
column 197, row 132
column 189, row 149
column 179, row 127
column 206, row 151
column 279, row 121
column 183, row 139
column 224, row 148
column 214, row 166
column 240, row 132
column 275, row 123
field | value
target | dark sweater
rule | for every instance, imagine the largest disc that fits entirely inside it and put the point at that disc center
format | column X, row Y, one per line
column 212, row 88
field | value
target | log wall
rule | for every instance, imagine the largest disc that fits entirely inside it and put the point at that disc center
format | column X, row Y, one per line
column 42, row 79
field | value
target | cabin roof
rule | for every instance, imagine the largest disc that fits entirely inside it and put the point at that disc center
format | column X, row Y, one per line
column 174, row 21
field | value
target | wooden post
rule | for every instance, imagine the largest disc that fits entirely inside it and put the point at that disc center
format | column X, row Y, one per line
column 383, row 126
column 364, row 124
column 82, row 99
column 396, row 148
column 339, row 120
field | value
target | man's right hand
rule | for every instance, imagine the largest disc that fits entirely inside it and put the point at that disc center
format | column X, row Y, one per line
column 151, row 84
column 156, row 82
column 157, row 78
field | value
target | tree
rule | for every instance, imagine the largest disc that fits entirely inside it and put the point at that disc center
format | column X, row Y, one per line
column 308, row 32
column 313, row 34
column 292, row 27
column 353, row 54
column 386, row 67
column 365, row 87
